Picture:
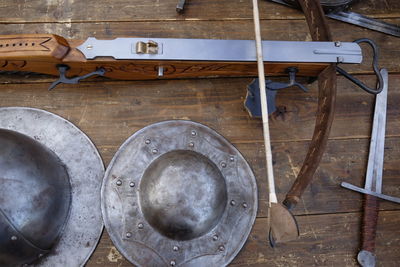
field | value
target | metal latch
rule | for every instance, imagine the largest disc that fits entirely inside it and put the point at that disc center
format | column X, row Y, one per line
column 150, row 47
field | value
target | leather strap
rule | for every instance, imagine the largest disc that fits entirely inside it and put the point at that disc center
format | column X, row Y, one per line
column 326, row 105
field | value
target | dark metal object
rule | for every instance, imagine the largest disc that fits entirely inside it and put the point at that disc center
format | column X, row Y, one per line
column 375, row 67
column 366, row 22
column 35, row 199
column 83, row 227
column 336, row 9
column 180, row 6
column 253, row 100
column 178, row 193
column 63, row 79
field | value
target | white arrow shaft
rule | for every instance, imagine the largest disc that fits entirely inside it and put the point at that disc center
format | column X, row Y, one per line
column 264, row 107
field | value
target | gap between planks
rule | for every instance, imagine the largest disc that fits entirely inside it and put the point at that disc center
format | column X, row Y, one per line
column 184, row 19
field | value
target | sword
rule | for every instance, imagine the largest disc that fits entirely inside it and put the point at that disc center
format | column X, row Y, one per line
column 373, row 181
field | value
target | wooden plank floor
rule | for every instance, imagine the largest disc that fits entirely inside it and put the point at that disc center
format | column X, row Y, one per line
column 110, row 111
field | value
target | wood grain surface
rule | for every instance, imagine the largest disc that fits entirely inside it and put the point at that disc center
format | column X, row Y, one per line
column 110, row 111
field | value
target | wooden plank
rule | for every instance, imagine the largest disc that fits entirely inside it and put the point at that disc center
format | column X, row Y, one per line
column 210, row 100
column 154, row 10
column 326, row 240
column 344, row 160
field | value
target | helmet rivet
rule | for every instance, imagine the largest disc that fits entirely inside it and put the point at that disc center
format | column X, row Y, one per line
column 221, row 248
column 13, row 238
column 233, row 202
column 172, row 263
column 140, row 226
column 215, row 237
column 193, row 133
column 128, row 234
column 132, row 184
column 155, row 151
column 147, row 141
column 223, row 164
column 119, row 182
column 191, row 144
column 232, row 159
column 244, row 205
column 175, row 248
column 40, row 255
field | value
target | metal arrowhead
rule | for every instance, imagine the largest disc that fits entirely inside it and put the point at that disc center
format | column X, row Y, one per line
column 283, row 225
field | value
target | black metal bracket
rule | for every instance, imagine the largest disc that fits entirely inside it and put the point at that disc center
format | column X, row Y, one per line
column 292, row 81
column 62, row 69
column 253, row 99
column 375, row 67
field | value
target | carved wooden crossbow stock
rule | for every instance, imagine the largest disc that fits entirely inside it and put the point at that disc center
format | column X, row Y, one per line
column 139, row 59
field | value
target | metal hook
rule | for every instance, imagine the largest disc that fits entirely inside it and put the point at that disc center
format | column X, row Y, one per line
column 63, row 79
column 356, row 81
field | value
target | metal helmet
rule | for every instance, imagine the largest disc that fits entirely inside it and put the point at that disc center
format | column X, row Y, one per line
column 50, row 179
column 178, row 193
column 35, row 198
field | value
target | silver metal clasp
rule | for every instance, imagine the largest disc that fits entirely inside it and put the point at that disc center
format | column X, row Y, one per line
column 150, row 47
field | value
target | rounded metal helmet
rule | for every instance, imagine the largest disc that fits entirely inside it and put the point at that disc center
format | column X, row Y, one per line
column 35, row 197
column 178, row 193
column 49, row 175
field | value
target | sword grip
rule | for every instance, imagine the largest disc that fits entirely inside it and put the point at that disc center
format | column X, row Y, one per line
column 369, row 224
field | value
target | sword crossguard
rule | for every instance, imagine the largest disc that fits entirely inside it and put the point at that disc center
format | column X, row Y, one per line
column 369, row 192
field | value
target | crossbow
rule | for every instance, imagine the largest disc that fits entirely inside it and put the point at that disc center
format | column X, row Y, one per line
column 157, row 58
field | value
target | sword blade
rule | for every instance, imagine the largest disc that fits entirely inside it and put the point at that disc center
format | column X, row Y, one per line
column 365, row 22
column 373, row 181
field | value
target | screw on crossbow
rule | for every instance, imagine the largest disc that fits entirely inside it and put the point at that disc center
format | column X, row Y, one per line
column 62, row 69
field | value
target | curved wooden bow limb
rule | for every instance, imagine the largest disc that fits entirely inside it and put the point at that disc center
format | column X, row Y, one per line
column 326, row 105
